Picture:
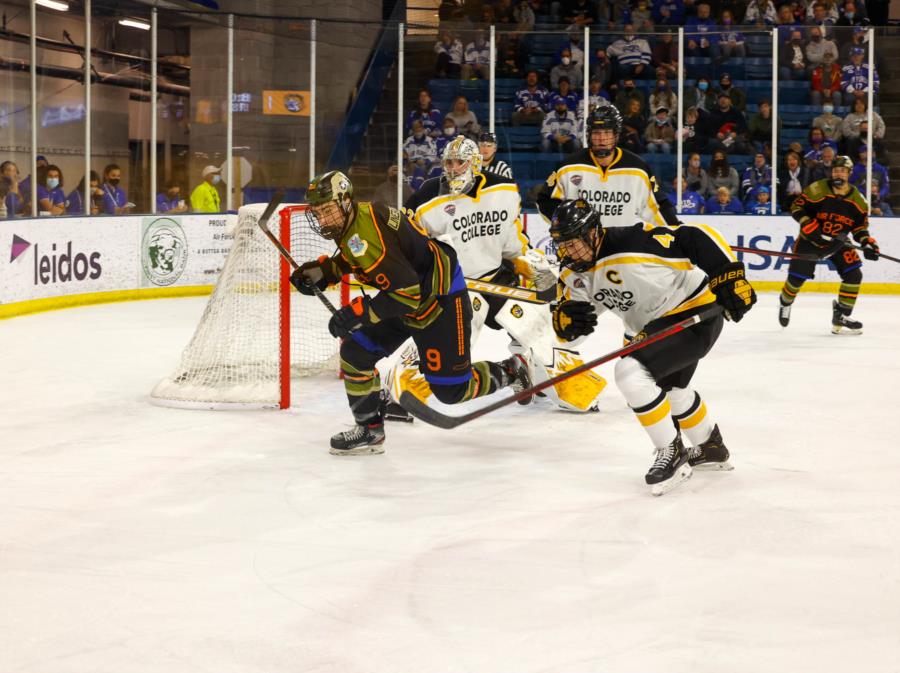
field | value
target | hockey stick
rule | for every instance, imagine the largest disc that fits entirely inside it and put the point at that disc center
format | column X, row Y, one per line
column 423, row 412
column 812, row 258
column 264, row 225
column 511, row 292
column 880, row 254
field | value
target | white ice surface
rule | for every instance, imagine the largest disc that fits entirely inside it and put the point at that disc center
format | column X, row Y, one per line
column 135, row 539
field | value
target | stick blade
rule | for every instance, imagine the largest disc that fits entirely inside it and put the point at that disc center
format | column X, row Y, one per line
column 270, row 208
column 426, row 414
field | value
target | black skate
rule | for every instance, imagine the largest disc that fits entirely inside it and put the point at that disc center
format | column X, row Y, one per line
column 711, row 454
column 670, row 468
column 841, row 322
column 366, row 438
column 516, row 376
column 391, row 411
column 784, row 313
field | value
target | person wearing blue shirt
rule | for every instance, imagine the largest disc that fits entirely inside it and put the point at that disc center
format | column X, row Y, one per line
column 50, row 194
column 691, row 202
column 171, row 201
column 879, row 173
column 758, row 201
column 573, row 100
column 115, row 200
column 25, row 186
column 430, row 117
column 668, row 12
column 532, row 102
column 75, row 200
column 723, row 203
column 699, row 33
column 13, row 201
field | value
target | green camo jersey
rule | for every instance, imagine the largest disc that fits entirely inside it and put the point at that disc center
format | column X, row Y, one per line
column 382, row 248
column 825, row 216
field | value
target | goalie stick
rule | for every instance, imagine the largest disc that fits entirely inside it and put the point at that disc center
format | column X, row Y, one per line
column 423, row 412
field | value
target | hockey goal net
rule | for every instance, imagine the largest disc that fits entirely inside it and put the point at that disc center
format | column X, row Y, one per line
column 257, row 331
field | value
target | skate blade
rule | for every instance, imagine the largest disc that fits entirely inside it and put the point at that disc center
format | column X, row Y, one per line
column 840, row 329
column 724, row 466
column 358, row 451
column 681, row 475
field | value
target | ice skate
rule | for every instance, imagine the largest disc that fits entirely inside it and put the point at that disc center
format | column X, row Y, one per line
column 391, row 411
column 841, row 322
column 361, row 439
column 784, row 313
column 515, row 369
column 711, row 454
column 670, row 468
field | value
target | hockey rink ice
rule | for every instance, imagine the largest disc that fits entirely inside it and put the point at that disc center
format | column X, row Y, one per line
column 137, row 539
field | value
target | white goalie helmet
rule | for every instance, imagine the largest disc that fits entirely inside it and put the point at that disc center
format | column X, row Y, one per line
column 461, row 161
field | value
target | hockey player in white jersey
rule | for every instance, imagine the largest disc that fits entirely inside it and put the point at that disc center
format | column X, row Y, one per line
column 618, row 184
column 652, row 278
column 478, row 214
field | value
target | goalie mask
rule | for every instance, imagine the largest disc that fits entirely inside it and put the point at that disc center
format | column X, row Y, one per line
column 571, row 229
column 330, row 199
column 461, row 162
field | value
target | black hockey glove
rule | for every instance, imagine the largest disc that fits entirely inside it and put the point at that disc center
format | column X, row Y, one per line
column 311, row 274
column 353, row 316
column 870, row 248
column 733, row 292
column 573, row 319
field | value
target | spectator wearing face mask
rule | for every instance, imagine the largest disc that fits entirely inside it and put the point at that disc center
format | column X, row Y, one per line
column 115, row 200
column 171, row 201
column 818, row 46
column 51, row 197
column 731, row 42
column 792, row 63
column 829, row 122
column 825, row 82
column 565, row 68
column 852, row 15
column 702, row 96
column 663, row 96
column 205, row 197
column 573, row 44
column 723, row 203
column 659, row 136
column 449, row 133
column 632, row 54
column 722, row 174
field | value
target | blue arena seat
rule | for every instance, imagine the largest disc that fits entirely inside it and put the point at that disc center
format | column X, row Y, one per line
column 758, row 68
column 698, row 66
column 796, row 116
column 505, row 89
column 474, row 89
column 443, row 89
column 758, row 45
column 793, row 93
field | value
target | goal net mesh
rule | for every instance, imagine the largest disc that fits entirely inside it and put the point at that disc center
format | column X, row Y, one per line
column 233, row 359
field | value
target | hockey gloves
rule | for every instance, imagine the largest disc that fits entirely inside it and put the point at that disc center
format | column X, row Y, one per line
column 311, row 274
column 870, row 248
column 733, row 292
column 353, row 316
column 573, row 319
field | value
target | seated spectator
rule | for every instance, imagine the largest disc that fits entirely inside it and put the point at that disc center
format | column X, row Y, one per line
column 756, row 175
column 829, row 122
column 524, row 16
column 729, row 128
column 579, row 13
column 573, row 100
column 723, row 203
column 511, row 57
column 50, row 194
column 880, row 207
column 596, row 96
column 858, row 39
column 205, row 196
column 41, row 164
column 14, row 200
column 822, row 169
column 627, row 93
column 851, row 15
column 760, row 128
column 696, row 177
column 477, row 58
column 115, row 200
column 449, row 52
column 465, row 120
column 75, row 200
column 731, row 42
column 826, row 82
column 787, row 21
column 633, row 126
column 659, row 136
column 855, row 128
column 171, row 201
column 632, row 55
column 602, row 68
column 504, row 15
column 758, row 202
column 665, row 55
column 558, row 132
column 573, row 44
column 792, row 179
column 386, row 191
column 818, row 46
column 879, row 173
column 663, row 96
column 695, row 133
column 642, row 17
column 702, row 96
column 668, row 12
column 760, row 13
column 565, row 68
column 424, row 112
column 737, row 96
column 700, row 36
column 822, row 13
column 419, row 152
column 817, row 141
column 532, row 102
column 855, row 77
column 722, row 174
column 691, row 202
column 449, row 133
column 792, row 63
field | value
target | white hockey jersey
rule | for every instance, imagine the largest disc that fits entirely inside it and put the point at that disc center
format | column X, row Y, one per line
column 623, row 193
column 643, row 273
column 484, row 226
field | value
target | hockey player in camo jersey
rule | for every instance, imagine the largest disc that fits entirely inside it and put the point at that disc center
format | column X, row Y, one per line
column 478, row 214
column 618, row 184
column 652, row 278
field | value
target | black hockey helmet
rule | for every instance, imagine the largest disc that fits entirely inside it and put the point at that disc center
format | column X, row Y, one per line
column 574, row 220
column 487, row 137
column 606, row 118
